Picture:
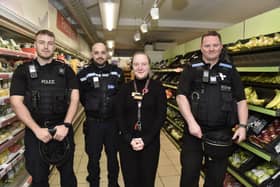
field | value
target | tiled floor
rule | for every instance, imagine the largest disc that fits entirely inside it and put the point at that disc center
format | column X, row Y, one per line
column 168, row 174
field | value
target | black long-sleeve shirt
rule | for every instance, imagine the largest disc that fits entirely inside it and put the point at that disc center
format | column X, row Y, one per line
column 153, row 111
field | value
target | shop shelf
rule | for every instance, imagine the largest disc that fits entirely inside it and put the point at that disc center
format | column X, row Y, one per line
column 257, row 151
column 259, row 69
column 239, row 178
column 174, row 124
column 5, row 75
column 173, row 106
column 22, row 179
column 172, row 139
column 275, row 113
column 11, row 140
column 14, row 158
column 18, row 54
column 8, row 119
column 169, row 86
column 4, row 100
column 177, row 70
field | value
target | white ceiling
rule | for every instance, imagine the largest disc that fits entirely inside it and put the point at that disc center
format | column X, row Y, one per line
column 180, row 20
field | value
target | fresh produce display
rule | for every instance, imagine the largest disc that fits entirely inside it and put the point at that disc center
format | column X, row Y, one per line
column 261, row 173
column 169, row 93
column 264, row 78
column 275, row 102
column 9, row 44
column 240, row 157
column 269, row 134
column 230, row 181
column 252, row 97
column 261, row 41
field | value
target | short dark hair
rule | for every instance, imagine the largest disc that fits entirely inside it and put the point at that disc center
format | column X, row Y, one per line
column 45, row 32
column 211, row 33
column 140, row 53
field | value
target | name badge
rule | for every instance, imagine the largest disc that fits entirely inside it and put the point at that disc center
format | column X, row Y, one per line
column 137, row 96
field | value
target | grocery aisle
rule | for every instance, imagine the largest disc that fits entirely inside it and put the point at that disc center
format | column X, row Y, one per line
column 168, row 170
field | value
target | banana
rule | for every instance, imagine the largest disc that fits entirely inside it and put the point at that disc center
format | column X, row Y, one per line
column 278, row 106
column 258, row 102
column 248, row 91
column 274, row 102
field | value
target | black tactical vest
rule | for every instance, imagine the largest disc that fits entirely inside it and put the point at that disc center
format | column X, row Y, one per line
column 103, row 85
column 211, row 98
column 47, row 94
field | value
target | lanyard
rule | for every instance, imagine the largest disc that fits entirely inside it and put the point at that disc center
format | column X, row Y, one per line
column 138, row 126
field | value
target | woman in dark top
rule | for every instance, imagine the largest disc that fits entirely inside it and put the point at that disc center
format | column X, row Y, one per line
column 141, row 110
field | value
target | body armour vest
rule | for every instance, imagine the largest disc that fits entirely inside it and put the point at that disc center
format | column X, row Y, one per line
column 47, row 94
column 211, row 98
column 103, row 85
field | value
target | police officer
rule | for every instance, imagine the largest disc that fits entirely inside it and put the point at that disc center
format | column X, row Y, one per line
column 99, row 83
column 44, row 93
column 208, row 93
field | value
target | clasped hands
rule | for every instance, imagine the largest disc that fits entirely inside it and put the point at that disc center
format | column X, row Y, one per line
column 44, row 135
column 137, row 144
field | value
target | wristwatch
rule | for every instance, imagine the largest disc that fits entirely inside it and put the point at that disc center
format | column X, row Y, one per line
column 68, row 125
column 242, row 125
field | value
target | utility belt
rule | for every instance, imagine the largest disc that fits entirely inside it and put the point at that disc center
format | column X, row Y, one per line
column 98, row 119
column 218, row 144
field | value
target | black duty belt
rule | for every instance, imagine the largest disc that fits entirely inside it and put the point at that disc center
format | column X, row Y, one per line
column 98, row 119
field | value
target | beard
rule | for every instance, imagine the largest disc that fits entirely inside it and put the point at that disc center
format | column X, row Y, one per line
column 45, row 57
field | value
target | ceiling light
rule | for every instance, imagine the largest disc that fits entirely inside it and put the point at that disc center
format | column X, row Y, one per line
column 109, row 10
column 154, row 13
column 110, row 44
column 111, row 53
column 137, row 36
column 144, row 27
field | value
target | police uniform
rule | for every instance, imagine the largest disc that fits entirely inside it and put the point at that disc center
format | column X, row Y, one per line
column 98, row 87
column 46, row 90
column 212, row 94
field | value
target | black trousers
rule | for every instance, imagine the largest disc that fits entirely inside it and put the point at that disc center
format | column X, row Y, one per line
column 40, row 170
column 191, row 161
column 97, row 134
column 139, row 167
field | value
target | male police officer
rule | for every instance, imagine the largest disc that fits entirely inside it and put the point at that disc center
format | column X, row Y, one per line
column 209, row 90
column 99, row 83
column 44, row 94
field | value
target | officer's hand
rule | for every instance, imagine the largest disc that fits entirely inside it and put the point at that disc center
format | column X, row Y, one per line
column 43, row 135
column 195, row 130
column 239, row 135
column 61, row 132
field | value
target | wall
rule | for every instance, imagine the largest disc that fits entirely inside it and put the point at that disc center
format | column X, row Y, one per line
column 34, row 15
column 262, row 24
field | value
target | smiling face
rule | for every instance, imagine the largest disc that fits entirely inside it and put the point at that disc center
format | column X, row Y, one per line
column 141, row 66
column 99, row 53
column 211, row 48
column 45, row 46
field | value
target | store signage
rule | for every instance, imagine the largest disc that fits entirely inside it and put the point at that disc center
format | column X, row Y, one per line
column 63, row 25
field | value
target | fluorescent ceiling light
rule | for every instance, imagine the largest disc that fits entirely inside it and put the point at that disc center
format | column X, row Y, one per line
column 111, row 53
column 144, row 27
column 154, row 13
column 137, row 36
column 110, row 44
column 109, row 10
